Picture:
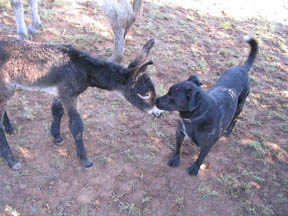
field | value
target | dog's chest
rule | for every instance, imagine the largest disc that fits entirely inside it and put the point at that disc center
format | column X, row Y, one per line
column 187, row 129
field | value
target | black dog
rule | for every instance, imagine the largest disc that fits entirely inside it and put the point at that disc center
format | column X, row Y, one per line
column 206, row 116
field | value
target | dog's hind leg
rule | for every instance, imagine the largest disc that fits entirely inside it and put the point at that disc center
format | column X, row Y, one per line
column 5, row 150
column 194, row 168
column 8, row 127
column 57, row 113
column 174, row 160
column 240, row 106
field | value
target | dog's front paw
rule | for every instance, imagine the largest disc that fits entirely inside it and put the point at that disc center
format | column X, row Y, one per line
column 193, row 170
column 174, row 161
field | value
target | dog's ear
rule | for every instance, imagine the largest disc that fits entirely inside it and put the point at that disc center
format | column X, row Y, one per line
column 195, row 79
column 194, row 99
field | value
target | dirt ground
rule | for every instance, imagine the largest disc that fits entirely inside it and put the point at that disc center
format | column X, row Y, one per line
column 245, row 174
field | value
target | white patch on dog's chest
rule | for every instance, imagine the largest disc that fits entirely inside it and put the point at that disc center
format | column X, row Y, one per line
column 232, row 94
column 120, row 94
column 183, row 129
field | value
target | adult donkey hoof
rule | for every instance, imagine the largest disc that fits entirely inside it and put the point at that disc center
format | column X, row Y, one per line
column 86, row 163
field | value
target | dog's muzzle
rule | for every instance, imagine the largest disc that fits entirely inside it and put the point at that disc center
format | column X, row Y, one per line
column 155, row 112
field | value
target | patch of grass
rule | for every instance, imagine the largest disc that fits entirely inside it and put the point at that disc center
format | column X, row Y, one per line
column 200, row 66
column 156, row 14
column 260, row 134
column 160, row 90
column 282, row 198
column 206, row 192
column 11, row 211
column 277, row 115
column 46, row 15
column 29, row 113
column 286, row 182
column 123, row 205
column 234, row 186
column 248, row 209
column 56, row 161
column 5, row 8
column 46, row 125
column 257, row 146
column 102, row 160
column 180, row 202
column 226, row 52
column 271, row 68
column 58, row 4
column 18, row 140
column 284, row 127
column 143, row 152
column 153, row 127
column 227, row 25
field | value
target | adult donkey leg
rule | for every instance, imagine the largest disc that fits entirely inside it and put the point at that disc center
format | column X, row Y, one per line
column 76, row 128
column 121, row 16
column 36, row 22
column 57, row 113
column 5, row 150
column 131, row 18
column 118, row 51
column 17, row 6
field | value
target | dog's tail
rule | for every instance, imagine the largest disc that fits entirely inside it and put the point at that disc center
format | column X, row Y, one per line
column 254, row 49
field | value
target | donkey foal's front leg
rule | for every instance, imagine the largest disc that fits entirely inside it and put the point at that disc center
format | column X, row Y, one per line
column 5, row 150
column 8, row 127
column 57, row 113
column 76, row 128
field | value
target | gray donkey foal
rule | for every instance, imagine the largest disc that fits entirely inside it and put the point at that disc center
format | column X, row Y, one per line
column 66, row 72
column 120, row 13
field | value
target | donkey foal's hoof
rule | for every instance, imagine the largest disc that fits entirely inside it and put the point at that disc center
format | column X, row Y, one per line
column 86, row 163
column 58, row 140
column 15, row 166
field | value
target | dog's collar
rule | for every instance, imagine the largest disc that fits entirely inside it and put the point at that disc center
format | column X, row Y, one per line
column 191, row 119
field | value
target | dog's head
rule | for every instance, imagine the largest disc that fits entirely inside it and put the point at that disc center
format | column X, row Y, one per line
column 185, row 96
column 140, row 90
